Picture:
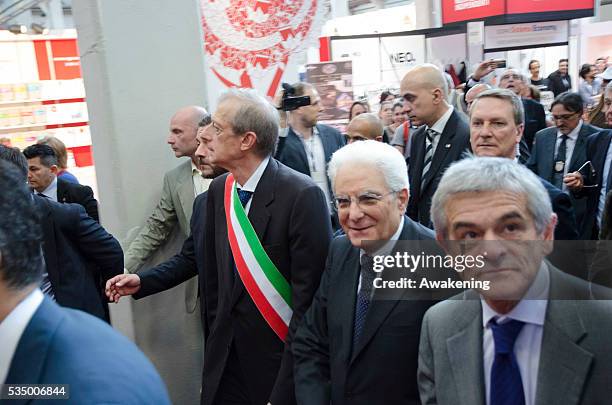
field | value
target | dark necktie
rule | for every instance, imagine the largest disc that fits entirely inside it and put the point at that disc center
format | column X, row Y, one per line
column 430, row 134
column 558, row 167
column 41, row 195
column 506, row 383
column 609, row 182
column 244, row 196
column 363, row 296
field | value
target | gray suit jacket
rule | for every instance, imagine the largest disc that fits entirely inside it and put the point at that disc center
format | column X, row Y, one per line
column 575, row 359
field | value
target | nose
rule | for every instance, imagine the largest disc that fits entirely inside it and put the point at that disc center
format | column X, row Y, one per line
column 170, row 139
column 355, row 213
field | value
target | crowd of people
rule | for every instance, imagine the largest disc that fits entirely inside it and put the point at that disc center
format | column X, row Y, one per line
column 285, row 233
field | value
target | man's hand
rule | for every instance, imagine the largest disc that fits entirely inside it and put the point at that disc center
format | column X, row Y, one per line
column 122, row 284
column 484, row 69
column 573, row 181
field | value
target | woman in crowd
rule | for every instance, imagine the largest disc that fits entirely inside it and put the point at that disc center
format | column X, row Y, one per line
column 399, row 117
column 358, row 107
column 62, row 157
column 386, row 117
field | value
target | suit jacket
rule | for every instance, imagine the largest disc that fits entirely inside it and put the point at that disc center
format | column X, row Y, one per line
column 597, row 149
column 327, row 368
column 535, row 120
column 453, row 142
column 543, row 159
column 575, row 359
column 79, row 255
column 293, row 153
column 289, row 214
column 566, row 228
column 68, row 192
column 182, row 266
column 64, row 346
column 555, row 83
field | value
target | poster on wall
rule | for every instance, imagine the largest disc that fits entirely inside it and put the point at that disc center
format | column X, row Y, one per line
column 398, row 55
column 466, row 10
column 252, row 44
column 525, row 35
column 366, row 69
column 334, row 83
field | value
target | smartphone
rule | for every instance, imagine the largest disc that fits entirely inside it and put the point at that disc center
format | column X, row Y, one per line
column 500, row 63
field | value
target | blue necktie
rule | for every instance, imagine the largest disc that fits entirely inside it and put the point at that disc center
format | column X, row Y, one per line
column 244, row 196
column 506, row 383
column 363, row 297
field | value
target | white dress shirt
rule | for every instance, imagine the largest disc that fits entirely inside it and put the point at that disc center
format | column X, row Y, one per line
column 569, row 144
column 604, row 182
column 12, row 327
column 200, row 184
column 315, row 154
column 251, row 183
column 439, row 127
column 383, row 250
column 531, row 310
column 51, row 190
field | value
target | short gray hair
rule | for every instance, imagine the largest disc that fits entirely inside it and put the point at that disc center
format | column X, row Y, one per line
column 385, row 157
column 608, row 87
column 506, row 95
column 480, row 174
column 254, row 114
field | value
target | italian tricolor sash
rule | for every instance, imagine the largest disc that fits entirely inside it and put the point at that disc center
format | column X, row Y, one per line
column 264, row 283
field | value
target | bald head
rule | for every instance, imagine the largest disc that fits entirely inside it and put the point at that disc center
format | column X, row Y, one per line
column 363, row 127
column 183, row 130
column 425, row 91
column 471, row 95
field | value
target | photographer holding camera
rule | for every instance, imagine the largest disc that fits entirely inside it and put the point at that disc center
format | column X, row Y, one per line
column 308, row 146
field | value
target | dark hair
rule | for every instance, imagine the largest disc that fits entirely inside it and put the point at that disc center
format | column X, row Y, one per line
column 15, row 156
column 531, row 62
column 585, row 69
column 58, row 147
column 364, row 104
column 384, row 95
column 563, row 60
column 205, row 121
column 570, row 101
column 46, row 154
column 535, row 92
column 398, row 104
column 20, row 233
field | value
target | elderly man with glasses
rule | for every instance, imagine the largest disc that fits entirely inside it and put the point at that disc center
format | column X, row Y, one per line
column 351, row 340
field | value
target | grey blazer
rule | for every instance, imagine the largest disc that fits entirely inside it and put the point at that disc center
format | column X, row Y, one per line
column 575, row 359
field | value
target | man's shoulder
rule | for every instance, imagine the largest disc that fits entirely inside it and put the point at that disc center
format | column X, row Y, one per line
column 73, row 187
column 454, row 314
column 183, row 169
column 545, row 134
column 328, row 129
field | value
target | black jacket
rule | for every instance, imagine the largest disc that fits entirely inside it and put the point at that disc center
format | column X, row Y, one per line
column 555, row 83
column 76, row 193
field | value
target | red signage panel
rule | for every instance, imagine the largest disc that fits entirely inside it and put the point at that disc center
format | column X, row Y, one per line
column 540, row 6
column 465, row 10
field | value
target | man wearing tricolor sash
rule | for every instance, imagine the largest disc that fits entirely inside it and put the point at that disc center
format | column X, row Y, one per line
column 267, row 235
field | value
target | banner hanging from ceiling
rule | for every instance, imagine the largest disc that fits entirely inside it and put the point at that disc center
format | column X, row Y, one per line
column 251, row 43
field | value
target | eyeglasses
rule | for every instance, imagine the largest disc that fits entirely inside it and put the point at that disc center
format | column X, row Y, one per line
column 565, row 117
column 363, row 201
column 513, row 76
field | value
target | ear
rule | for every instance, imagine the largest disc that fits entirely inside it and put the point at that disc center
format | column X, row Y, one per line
column 438, row 96
column 519, row 132
column 442, row 241
column 548, row 235
column 54, row 169
column 403, row 196
column 249, row 141
column 378, row 138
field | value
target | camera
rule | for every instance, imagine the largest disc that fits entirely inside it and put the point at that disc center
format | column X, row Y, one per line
column 290, row 101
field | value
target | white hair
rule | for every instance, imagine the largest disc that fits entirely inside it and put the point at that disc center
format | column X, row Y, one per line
column 385, row 157
column 480, row 174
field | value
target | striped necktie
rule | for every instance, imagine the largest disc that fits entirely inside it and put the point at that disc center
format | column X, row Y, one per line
column 430, row 135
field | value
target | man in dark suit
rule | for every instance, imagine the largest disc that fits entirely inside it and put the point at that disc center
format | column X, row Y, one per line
column 308, row 145
column 43, row 343
column 354, row 346
column 79, row 254
column 443, row 138
column 562, row 149
column 42, row 176
column 527, row 333
column 496, row 125
column 560, row 81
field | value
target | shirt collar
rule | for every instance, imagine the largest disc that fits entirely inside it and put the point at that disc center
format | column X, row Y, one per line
column 531, row 308
column 385, row 249
column 574, row 134
column 251, row 183
column 195, row 169
column 12, row 327
column 441, row 123
column 51, row 190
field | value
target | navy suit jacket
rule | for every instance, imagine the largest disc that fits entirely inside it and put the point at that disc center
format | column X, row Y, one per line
column 68, row 192
column 80, row 256
column 535, row 120
column 453, row 143
column 327, row 368
column 189, row 262
column 64, row 346
column 292, row 153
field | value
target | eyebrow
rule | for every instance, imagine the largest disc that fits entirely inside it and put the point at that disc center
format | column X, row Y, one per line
column 505, row 217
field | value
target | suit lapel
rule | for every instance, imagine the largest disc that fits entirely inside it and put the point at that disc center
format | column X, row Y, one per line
column 548, row 157
column 259, row 213
column 49, row 245
column 445, row 144
column 599, row 158
column 185, row 191
column 294, row 142
column 465, row 355
column 347, row 297
column 62, row 191
column 564, row 365
column 579, row 153
column 415, row 167
column 325, row 140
